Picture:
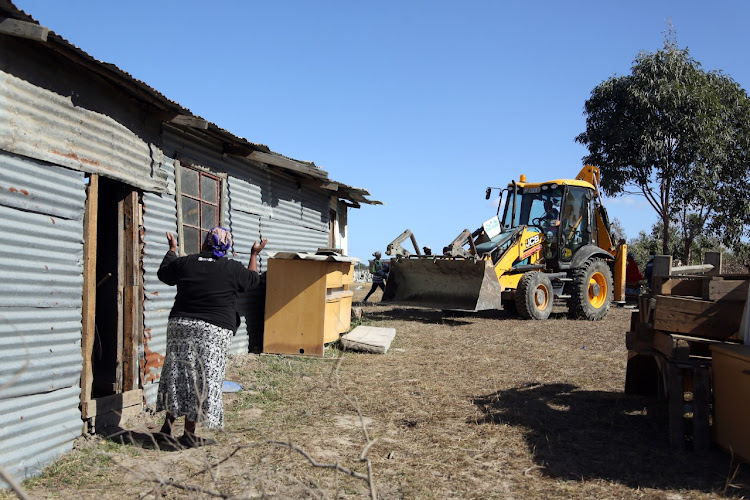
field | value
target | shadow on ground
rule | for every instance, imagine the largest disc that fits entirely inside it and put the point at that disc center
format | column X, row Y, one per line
column 432, row 316
column 146, row 440
column 576, row 434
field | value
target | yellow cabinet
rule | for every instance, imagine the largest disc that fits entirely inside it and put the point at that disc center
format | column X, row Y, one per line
column 308, row 301
column 731, row 384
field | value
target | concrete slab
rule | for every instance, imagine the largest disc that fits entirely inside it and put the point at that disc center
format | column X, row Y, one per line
column 369, row 339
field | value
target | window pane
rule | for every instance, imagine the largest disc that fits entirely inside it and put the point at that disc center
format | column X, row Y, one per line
column 209, row 189
column 192, row 243
column 209, row 216
column 190, row 214
column 189, row 181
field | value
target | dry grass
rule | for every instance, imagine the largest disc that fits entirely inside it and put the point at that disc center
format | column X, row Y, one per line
column 461, row 407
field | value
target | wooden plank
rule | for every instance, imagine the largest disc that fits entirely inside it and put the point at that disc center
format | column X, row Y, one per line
column 114, row 402
column 672, row 348
column 88, row 308
column 715, row 259
column 700, row 308
column 662, row 265
column 697, row 269
column 715, row 327
column 288, row 164
column 688, row 287
column 726, row 290
column 120, row 308
column 676, row 404
column 190, row 121
column 694, row 305
column 641, row 339
column 132, row 291
column 701, row 408
column 129, row 351
column 23, row 29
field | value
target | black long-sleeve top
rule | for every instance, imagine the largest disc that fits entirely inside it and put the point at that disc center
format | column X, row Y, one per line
column 207, row 287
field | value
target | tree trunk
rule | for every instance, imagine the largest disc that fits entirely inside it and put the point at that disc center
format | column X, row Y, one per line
column 688, row 242
column 665, row 234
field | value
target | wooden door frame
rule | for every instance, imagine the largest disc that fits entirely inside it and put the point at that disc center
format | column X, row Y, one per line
column 129, row 298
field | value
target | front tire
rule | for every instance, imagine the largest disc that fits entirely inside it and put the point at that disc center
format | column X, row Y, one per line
column 534, row 296
column 592, row 291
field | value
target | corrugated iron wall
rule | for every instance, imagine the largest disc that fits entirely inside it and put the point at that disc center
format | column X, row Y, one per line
column 159, row 217
column 39, row 124
column 41, row 255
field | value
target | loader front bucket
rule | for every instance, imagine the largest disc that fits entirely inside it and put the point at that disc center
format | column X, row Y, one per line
column 441, row 283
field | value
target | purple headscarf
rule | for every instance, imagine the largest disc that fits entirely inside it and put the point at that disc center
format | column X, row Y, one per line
column 220, row 240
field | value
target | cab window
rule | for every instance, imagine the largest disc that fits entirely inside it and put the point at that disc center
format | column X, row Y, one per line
column 574, row 222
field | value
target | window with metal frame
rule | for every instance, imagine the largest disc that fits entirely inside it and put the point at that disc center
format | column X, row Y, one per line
column 200, row 199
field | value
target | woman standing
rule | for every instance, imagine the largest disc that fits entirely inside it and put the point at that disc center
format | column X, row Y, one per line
column 201, row 324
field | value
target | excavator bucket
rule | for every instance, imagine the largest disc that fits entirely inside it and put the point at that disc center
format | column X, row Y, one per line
column 444, row 283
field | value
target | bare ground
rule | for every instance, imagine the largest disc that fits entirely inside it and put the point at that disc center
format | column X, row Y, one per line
column 482, row 406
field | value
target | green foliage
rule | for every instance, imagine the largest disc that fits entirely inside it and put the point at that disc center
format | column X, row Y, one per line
column 738, row 261
column 646, row 244
column 678, row 135
column 617, row 231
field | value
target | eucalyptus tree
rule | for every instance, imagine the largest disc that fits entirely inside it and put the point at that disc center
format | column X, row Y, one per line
column 679, row 136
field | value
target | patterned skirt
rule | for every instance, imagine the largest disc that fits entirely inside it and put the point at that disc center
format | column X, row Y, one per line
column 193, row 371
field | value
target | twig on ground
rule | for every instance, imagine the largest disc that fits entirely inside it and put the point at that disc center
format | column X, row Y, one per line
column 363, row 456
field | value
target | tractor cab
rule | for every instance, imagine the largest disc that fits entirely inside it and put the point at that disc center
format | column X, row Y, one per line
column 561, row 210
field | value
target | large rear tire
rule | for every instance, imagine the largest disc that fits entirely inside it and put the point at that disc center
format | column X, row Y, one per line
column 534, row 296
column 591, row 296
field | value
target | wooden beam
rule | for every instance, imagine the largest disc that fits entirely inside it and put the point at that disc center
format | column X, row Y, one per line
column 88, row 308
column 244, row 151
column 114, row 402
column 676, row 404
column 295, row 166
column 699, row 268
column 725, row 290
column 132, row 291
column 715, row 259
column 673, row 348
column 662, row 265
column 23, row 29
column 697, row 317
column 190, row 121
column 684, row 287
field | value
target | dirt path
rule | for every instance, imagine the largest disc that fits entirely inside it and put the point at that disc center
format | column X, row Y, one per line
column 483, row 406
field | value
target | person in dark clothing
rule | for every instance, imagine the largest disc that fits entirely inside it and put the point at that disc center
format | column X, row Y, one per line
column 201, row 324
column 379, row 275
column 649, row 270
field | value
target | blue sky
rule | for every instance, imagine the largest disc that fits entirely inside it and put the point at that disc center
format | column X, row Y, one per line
column 423, row 103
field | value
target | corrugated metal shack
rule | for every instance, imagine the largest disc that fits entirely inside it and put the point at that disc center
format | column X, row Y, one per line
column 95, row 167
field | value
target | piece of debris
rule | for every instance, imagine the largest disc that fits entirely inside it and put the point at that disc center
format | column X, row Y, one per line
column 357, row 312
column 229, row 386
column 369, row 339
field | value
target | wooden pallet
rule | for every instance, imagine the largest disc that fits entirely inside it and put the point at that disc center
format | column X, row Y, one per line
column 670, row 339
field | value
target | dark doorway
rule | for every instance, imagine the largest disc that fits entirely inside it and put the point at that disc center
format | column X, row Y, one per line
column 108, row 338
column 118, row 289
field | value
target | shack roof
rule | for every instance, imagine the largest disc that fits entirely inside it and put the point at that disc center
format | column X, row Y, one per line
column 16, row 22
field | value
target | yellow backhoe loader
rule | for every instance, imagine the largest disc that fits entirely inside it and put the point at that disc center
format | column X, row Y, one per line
column 548, row 240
